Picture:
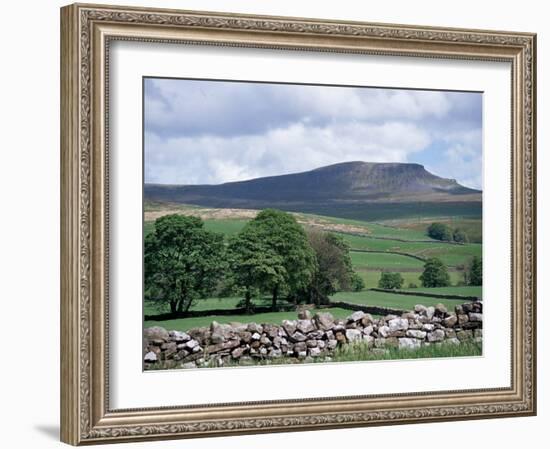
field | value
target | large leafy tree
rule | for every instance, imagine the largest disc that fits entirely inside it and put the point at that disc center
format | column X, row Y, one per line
column 183, row 262
column 334, row 270
column 435, row 274
column 254, row 265
column 285, row 238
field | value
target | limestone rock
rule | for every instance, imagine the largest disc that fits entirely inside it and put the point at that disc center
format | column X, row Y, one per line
column 398, row 324
column 450, row 321
column 436, row 335
column 156, row 333
column 150, row 357
column 324, row 320
column 412, row 333
column 409, row 343
column 353, row 335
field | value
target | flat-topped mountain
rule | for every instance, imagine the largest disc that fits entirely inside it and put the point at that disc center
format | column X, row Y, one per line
column 348, row 182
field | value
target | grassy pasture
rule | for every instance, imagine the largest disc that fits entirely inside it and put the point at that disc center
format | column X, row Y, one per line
column 392, row 300
column 393, row 262
column 450, row 254
column 473, row 227
column 467, row 290
column 371, row 278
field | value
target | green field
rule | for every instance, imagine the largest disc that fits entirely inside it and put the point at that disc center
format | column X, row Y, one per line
column 371, row 278
column 209, row 304
column 462, row 290
column 450, row 254
column 384, row 261
column 392, row 300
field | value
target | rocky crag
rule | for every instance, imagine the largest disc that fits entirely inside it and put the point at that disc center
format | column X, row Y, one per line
column 310, row 337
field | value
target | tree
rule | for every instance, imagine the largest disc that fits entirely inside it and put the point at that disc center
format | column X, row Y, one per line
column 391, row 281
column 254, row 265
column 357, row 282
column 287, row 239
column 459, row 236
column 334, row 270
column 440, row 231
column 475, row 272
column 435, row 274
column 183, row 262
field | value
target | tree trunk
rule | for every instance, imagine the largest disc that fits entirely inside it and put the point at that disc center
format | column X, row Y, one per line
column 247, row 297
column 274, row 299
column 173, row 307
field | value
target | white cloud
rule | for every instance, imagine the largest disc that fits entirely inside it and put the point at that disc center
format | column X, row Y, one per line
column 212, row 159
column 212, row 132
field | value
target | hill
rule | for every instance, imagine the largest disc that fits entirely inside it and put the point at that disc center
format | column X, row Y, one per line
column 336, row 187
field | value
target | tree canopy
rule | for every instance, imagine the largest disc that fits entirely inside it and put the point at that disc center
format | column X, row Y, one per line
column 443, row 232
column 254, row 265
column 288, row 248
column 440, row 231
column 391, row 281
column 435, row 274
column 183, row 262
column 475, row 272
column 334, row 270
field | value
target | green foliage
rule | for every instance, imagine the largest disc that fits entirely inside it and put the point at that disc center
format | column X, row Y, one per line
column 459, row 236
column 357, row 282
column 333, row 271
column 435, row 274
column 255, row 265
column 290, row 257
column 182, row 262
column 391, row 281
column 474, row 273
column 412, row 285
column 440, row 231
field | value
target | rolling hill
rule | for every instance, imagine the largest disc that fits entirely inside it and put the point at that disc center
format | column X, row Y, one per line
column 335, row 190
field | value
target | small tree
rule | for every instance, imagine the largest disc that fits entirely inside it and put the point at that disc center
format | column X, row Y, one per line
column 183, row 262
column 357, row 282
column 459, row 236
column 435, row 274
column 334, row 270
column 475, row 271
column 391, row 281
column 440, row 231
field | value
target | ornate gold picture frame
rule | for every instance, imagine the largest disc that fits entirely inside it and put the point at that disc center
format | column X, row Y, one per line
column 87, row 31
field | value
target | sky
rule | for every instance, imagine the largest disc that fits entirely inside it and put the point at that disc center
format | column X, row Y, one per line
column 211, row 132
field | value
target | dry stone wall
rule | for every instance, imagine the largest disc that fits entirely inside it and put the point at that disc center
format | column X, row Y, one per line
column 310, row 337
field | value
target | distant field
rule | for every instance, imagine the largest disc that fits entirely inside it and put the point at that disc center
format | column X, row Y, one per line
column 463, row 290
column 371, row 278
column 385, row 261
column 391, row 300
column 391, row 211
column 209, row 304
column 450, row 254
column 184, row 324
column 473, row 227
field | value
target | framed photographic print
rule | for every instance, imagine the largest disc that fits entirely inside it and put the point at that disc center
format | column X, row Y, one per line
column 279, row 224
